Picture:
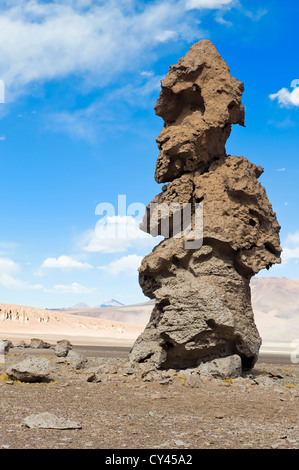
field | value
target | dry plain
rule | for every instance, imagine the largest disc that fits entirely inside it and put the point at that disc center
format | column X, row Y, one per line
column 117, row 408
column 121, row 410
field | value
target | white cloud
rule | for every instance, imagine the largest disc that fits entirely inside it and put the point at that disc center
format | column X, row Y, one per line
column 74, row 288
column 10, row 282
column 293, row 238
column 65, row 262
column 90, row 122
column 8, row 270
column 256, row 15
column 166, row 35
column 221, row 20
column 127, row 264
column 137, row 92
column 287, row 98
column 39, row 273
column 8, row 266
column 101, row 38
column 6, row 248
column 209, row 4
column 44, row 40
column 291, row 250
column 146, row 73
column 76, row 124
column 8, row 279
column 36, row 287
column 119, row 234
column 290, row 253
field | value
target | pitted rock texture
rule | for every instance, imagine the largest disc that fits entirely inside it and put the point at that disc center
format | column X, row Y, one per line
column 203, row 306
column 199, row 102
column 236, row 211
column 202, row 310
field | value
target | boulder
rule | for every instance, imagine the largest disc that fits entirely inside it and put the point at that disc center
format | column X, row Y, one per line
column 62, row 348
column 229, row 367
column 76, row 360
column 31, row 369
column 5, row 346
column 37, row 343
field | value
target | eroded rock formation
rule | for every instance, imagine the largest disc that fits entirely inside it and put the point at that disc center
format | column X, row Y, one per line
column 202, row 295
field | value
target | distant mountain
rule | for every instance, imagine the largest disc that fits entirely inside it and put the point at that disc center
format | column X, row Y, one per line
column 80, row 305
column 277, row 296
column 24, row 322
column 275, row 302
column 137, row 314
column 110, row 303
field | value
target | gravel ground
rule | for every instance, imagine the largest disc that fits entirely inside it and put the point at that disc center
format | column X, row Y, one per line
column 120, row 410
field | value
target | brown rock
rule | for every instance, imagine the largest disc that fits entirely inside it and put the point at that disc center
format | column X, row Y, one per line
column 199, row 101
column 236, row 211
column 203, row 306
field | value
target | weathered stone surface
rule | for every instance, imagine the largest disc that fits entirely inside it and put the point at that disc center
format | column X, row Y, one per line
column 5, row 346
column 94, row 377
column 202, row 295
column 193, row 380
column 76, row 360
column 31, row 369
column 203, row 308
column 49, row 421
column 62, row 348
column 199, row 101
column 229, row 367
column 37, row 343
column 20, row 344
column 236, row 211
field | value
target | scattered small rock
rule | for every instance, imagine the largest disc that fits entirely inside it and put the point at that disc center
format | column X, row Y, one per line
column 20, row 344
column 49, row 421
column 166, row 381
column 180, row 443
column 93, row 377
column 193, row 380
column 151, row 376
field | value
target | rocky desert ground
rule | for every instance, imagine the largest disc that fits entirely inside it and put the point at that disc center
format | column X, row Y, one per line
column 80, row 402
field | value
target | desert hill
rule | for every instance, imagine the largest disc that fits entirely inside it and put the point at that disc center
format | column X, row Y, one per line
column 275, row 302
column 17, row 321
column 136, row 314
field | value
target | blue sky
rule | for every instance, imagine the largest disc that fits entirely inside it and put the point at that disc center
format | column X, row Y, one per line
column 78, row 129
